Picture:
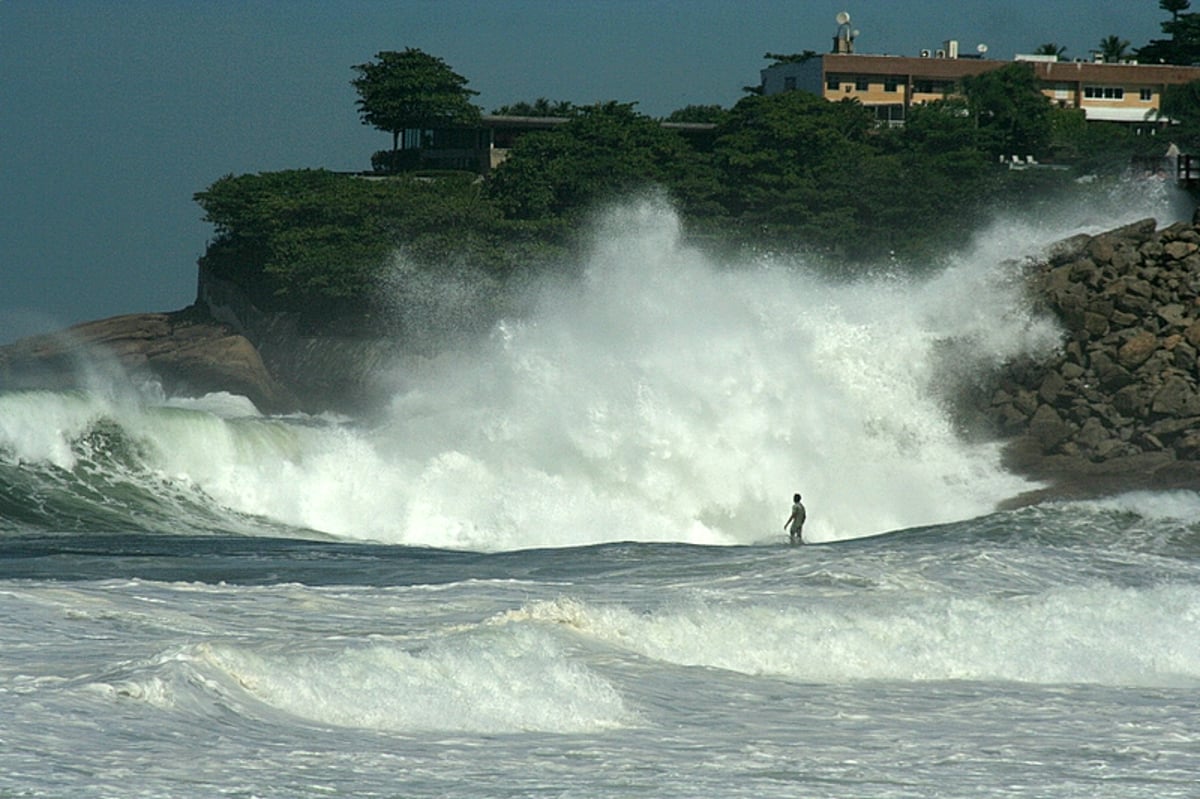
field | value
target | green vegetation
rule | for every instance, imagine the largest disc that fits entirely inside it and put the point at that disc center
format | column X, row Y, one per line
column 1113, row 49
column 1183, row 46
column 1182, row 104
column 605, row 151
column 1050, row 48
column 411, row 91
column 541, row 107
column 1011, row 113
column 790, row 171
column 318, row 243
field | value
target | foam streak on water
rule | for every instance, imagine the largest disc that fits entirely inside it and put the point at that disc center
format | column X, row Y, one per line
column 1008, row 652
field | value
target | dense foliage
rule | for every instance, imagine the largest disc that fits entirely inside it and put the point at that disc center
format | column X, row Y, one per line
column 318, row 242
column 541, row 107
column 605, row 151
column 788, row 171
column 412, row 90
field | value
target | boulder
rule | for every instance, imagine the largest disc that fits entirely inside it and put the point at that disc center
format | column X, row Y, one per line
column 1177, row 397
column 184, row 351
column 1049, row 429
column 1178, row 250
column 1123, row 396
column 1137, row 350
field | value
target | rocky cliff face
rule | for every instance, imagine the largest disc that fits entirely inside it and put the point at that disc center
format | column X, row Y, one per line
column 222, row 343
column 186, row 351
column 1119, row 406
column 322, row 372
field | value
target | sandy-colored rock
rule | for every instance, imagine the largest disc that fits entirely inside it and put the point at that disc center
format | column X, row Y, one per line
column 185, row 352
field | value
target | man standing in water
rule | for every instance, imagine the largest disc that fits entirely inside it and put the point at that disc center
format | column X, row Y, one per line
column 795, row 523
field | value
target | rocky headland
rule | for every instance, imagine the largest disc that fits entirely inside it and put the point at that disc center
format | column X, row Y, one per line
column 1116, row 408
column 187, row 352
column 220, row 343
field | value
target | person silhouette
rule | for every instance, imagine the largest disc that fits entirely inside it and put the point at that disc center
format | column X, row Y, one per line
column 795, row 523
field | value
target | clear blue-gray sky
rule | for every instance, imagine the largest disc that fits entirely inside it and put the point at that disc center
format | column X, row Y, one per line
column 113, row 113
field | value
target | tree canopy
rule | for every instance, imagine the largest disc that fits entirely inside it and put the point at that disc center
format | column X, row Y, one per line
column 710, row 114
column 1174, row 6
column 1183, row 46
column 1113, row 48
column 786, row 171
column 791, row 58
column 1050, row 48
column 307, row 238
column 541, row 107
column 412, row 90
column 1010, row 110
column 1181, row 104
column 606, row 149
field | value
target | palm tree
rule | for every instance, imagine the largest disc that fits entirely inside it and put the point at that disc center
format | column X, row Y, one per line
column 1113, row 49
column 1050, row 48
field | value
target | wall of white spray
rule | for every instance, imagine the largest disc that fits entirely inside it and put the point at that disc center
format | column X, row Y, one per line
column 667, row 396
column 661, row 395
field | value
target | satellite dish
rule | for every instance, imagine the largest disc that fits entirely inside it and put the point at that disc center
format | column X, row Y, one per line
column 981, row 48
column 854, row 33
column 843, row 17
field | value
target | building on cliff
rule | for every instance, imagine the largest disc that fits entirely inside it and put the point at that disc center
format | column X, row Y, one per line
column 484, row 147
column 1125, row 92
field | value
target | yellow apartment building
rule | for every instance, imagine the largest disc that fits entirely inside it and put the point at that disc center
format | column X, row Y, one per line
column 1127, row 92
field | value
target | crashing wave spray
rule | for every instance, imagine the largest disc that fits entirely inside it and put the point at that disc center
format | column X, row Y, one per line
column 668, row 397
column 660, row 395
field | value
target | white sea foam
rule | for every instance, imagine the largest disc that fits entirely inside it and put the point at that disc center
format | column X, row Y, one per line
column 664, row 395
column 496, row 681
column 1175, row 506
column 1095, row 633
column 667, row 394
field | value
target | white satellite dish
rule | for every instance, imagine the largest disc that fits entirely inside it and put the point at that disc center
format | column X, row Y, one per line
column 981, row 48
column 843, row 17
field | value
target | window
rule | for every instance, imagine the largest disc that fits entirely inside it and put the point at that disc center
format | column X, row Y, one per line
column 932, row 86
column 861, row 84
column 1146, row 95
column 1104, row 92
column 789, row 83
column 833, row 82
column 891, row 84
column 889, row 115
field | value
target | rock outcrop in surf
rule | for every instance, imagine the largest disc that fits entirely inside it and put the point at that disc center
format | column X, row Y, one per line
column 185, row 351
column 1119, row 404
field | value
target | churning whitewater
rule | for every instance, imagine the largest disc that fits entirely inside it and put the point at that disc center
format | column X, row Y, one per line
column 660, row 396
column 553, row 564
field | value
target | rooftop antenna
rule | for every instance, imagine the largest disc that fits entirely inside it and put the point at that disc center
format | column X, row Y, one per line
column 843, row 42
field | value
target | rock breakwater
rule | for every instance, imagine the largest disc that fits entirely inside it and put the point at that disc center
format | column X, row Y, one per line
column 1119, row 406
